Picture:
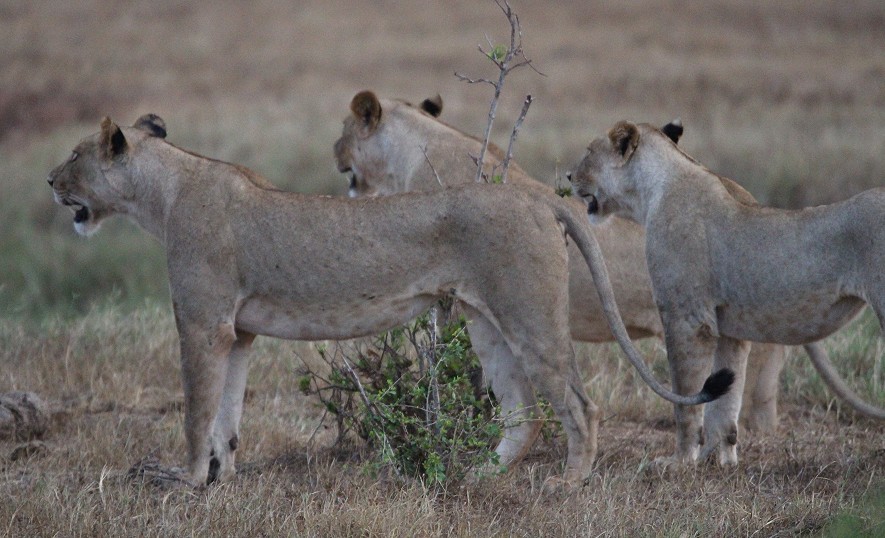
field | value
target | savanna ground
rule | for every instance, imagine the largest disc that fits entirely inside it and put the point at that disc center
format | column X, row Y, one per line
column 787, row 97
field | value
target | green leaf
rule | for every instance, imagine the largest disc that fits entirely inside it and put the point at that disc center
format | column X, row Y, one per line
column 498, row 53
column 304, row 384
column 564, row 192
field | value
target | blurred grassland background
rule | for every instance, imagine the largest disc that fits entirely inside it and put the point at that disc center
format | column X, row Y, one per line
column 787, row 97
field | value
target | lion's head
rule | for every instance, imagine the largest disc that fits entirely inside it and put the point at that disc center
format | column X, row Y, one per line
column 363, row 151
column 94, row 180
column 602, row 178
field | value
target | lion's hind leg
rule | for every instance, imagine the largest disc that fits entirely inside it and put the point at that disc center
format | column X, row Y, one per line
column 548, row 361
column 514, row 392
column 759, row 404
column 553, row 373
column 542, row 347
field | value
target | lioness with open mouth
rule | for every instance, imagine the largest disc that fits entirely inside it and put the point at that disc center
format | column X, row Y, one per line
column 725, row 272
column 388, row 146
column 247, row 259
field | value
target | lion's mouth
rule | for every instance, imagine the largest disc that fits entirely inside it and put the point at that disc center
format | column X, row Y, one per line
column 351, row 179
column 353, row 182
column 592, row 204
column 81, row 212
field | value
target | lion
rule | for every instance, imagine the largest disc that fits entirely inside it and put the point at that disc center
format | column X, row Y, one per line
column 725, row 272
column 246, row 259
column 389, row 146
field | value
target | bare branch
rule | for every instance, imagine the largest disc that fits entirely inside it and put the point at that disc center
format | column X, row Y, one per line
column 359, row 385
column 493, row 108
column 489, row 41
column 433, row 404
column 506, row 61
column 469, row 80
column 506, row 164
column 430, row 164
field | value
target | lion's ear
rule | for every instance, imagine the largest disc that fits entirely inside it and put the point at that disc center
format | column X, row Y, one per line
column 151, row 124
column 366, row 107
column 432, row 105
column 624, row 137
column 673, row 130
column 111, row 141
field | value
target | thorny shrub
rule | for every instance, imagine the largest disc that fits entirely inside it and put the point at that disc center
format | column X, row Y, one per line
column 412, row 395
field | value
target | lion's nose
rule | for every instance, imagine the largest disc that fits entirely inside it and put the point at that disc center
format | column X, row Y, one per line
column 568, row 176
column 50, row 180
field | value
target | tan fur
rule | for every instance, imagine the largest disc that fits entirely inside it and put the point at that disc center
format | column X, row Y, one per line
column 388, row 156
column 246, row 260
column 725, row 272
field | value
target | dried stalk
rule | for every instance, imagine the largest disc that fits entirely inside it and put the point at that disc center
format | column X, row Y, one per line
column 506, row 164
column 506, row 61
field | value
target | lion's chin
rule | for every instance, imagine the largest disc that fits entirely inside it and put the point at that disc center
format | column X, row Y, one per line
column 85, row 229
column 86, row 222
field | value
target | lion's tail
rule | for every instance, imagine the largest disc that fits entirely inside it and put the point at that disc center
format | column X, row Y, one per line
column 825, row 368
column 578, row 229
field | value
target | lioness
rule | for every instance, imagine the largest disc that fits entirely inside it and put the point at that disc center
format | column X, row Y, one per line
column 389, row 146
column 246, row 259
column 725, row 272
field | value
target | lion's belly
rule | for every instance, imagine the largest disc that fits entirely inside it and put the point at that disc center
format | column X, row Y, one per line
column 270, row 317
column 785, row 322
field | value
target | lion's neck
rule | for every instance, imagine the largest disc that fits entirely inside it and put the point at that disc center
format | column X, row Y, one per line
column 643, row 197
column 156, row 193
column 685, row 180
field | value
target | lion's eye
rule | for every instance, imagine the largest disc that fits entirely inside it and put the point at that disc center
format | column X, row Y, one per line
column 74, row 156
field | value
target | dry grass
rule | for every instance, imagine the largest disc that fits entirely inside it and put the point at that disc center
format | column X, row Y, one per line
column 116, row 376
column 785, row 96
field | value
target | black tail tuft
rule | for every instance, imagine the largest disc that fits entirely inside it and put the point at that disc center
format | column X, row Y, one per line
column 717, row 384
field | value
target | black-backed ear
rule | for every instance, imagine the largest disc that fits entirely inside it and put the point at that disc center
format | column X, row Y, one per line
column 366, row 107
column 151, row 124
column 673, row 130
column 432, row 105
column 111, row 140
column 624, row 137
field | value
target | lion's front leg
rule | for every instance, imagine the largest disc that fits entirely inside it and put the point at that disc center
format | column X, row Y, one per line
column 204, row 361
column 225, row 433
column 721, row 416
column 689, row 353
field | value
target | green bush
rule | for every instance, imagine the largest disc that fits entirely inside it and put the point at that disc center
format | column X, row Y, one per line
column 411, row 395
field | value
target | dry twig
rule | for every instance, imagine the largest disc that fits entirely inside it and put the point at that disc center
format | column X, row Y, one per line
column 430, row 164
column 506, row 60
column 506, row 164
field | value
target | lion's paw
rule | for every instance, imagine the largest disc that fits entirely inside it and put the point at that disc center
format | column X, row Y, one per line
column 563, row 484
column 149, row 471
column 670, row 463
